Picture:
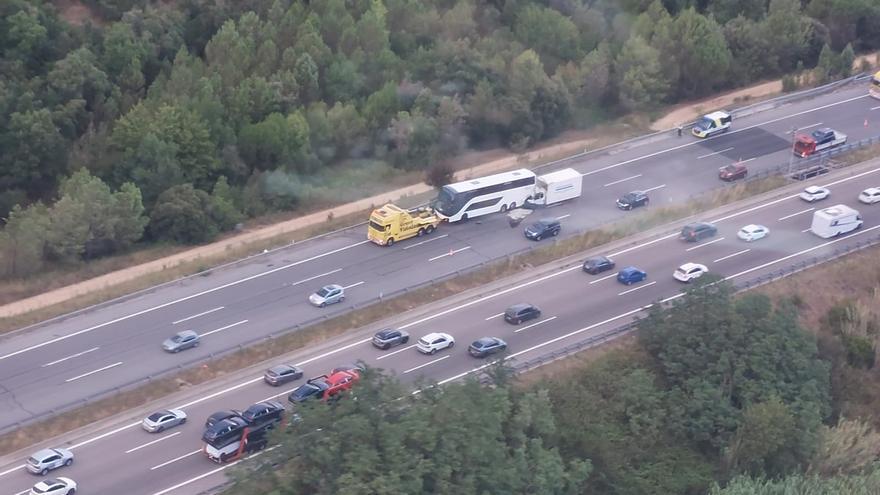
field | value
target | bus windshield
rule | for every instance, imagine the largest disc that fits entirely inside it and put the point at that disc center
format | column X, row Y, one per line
column 446, row 201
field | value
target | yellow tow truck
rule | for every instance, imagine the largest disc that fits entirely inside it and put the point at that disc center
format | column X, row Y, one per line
column 391, row 223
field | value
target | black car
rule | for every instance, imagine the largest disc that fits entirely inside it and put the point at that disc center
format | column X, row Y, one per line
column 224, row 430
column 308, row 390
column 282, row 373
column 695, row 231
column 810, row 172
column 519, row 313
column 263, row 413
column 486, row 346
column 388, row 338
column 542, row 228
column 598, row 264
column 220, row 416
column 632, row 200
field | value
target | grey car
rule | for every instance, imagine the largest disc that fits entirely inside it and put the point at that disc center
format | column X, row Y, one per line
column 390, row 337
column 160, row 421
column 329, row 294
column 48, row 459
column 281, row 374
column 181, row 341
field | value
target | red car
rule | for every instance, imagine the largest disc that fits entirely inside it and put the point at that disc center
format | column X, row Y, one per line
column 325, row 386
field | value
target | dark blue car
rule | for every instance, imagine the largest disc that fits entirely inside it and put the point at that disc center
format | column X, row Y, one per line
column 631, row 275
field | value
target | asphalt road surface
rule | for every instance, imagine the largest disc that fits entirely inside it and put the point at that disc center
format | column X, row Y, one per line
column 60, row 363
column 121, row 458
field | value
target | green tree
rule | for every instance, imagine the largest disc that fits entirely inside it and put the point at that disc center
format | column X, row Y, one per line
column 381, row 107
column 343, row 82
column 761, row 442
column 867, row 483
column 827, row 66
column 34, row 153
column 224, row 211
column 849, row 447
column 306, row 74
column 787, row 32
column 276, row 141
column 26, row 36
column 153, row 165
column 23, row 240
column 77, row 76
column 700, row 51
column 641, row 79
column 183, row 214
column 846, row 60
column 548, row 32
column 436, row 442
column 121, row 47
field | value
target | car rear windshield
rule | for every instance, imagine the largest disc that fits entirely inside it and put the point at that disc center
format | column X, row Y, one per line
column 323, row 292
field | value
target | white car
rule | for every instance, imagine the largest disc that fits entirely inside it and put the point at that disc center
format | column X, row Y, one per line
column 48, row 459
column 329, row 294
column 162, row 420
column 433, row 342
column 752, row 232
column 689, row 271
column 870, row 195
column 814, row 193
column 54, row 486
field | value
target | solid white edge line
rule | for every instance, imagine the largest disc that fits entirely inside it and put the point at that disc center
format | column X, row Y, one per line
column 197, row 315
column 139, row 447
column 227, row 327
column 182, row 299
column 184, row 456
column 698, row 246
column 518, row 330
column 389, row 354
column 731, row 255
column 427, row 364
column 78, row 354
column 637, row 288
column 105, row 368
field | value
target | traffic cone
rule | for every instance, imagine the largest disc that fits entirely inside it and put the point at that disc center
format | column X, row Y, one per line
column 451, row 252
column 866, row 122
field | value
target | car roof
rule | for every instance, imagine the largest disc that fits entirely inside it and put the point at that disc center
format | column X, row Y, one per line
column 630, row 269
column 689, row 266
column 718, row 114
column 42, row 454
column 332, row 286
column 187, row 333
column 752, row 226
column 224, row 414
column 872, row 190
column 598, row 259
column 434, row 335
column 812, row 189
column 282, row 367
column 519, row 306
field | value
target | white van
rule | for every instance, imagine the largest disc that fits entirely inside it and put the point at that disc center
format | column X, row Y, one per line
column 835, row 220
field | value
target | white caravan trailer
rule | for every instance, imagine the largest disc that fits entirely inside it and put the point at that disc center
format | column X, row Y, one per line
column 558, row 186
column 835, row 220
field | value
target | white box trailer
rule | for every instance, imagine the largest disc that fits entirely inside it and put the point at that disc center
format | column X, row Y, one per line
column 558, row 186
column 835, row 220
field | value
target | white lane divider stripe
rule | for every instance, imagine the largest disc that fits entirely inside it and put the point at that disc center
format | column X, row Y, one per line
column 383, row 356
column 427, row 364
column 196, row 316
column 105, row 368
column 223, row 328
column 518, row 330
column 698, row 246
column 450, row 253
column 731, row 255
column 78, row 354
column 623, row 180
column 637, row 288
column 331, row 272
column 715, row 153
column 139, row 447
column 786, row 217
column 184, row 456
column 425, row 242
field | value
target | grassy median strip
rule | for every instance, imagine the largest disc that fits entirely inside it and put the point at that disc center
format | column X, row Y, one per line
column 270, row 349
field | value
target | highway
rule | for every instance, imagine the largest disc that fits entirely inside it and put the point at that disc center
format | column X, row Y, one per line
column 121, row 458
column 70, row 359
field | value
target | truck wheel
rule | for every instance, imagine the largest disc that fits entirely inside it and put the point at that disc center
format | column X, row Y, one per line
column 420, row 233
column 429, row 229
column 464, row 218
column 390, row 242
column 503, row 208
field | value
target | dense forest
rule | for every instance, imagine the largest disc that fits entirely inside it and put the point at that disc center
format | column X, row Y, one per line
column 758, row 410
column 174, row 121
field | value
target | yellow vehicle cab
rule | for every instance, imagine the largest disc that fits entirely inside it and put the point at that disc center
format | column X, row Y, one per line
column 391, row 223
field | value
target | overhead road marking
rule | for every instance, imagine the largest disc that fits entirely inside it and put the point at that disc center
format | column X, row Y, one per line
column 744, row 251
column 786, row 217
column 184, row 456
column 606, row 277
column 139, row 447
column 389, row 354
column 698, row 246
column 725, row 150
column 804, row 251
column 563, row 216
column 450, row 253
column 182, row 299
column 427, row 364
column 196, row 316
column 637, row 288
column 661, row 186
column 331, row 272
column 425, row 242
column 105, row 368
column 354, row 285
column 518, row 330
column 223, row 328
column 623, row 180
column 78, row 354
column 693, row 143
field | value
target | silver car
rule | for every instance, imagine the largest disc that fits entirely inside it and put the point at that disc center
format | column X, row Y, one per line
column 181, row 341
column 329, row 294
column 48, row 459
column 162, row 420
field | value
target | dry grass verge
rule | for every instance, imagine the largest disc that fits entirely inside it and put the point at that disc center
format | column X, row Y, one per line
column 270, row 349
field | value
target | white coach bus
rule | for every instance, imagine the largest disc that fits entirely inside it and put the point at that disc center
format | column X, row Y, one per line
column 494, row 193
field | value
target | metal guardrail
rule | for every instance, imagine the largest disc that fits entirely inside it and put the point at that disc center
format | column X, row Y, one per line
column 784, row 168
